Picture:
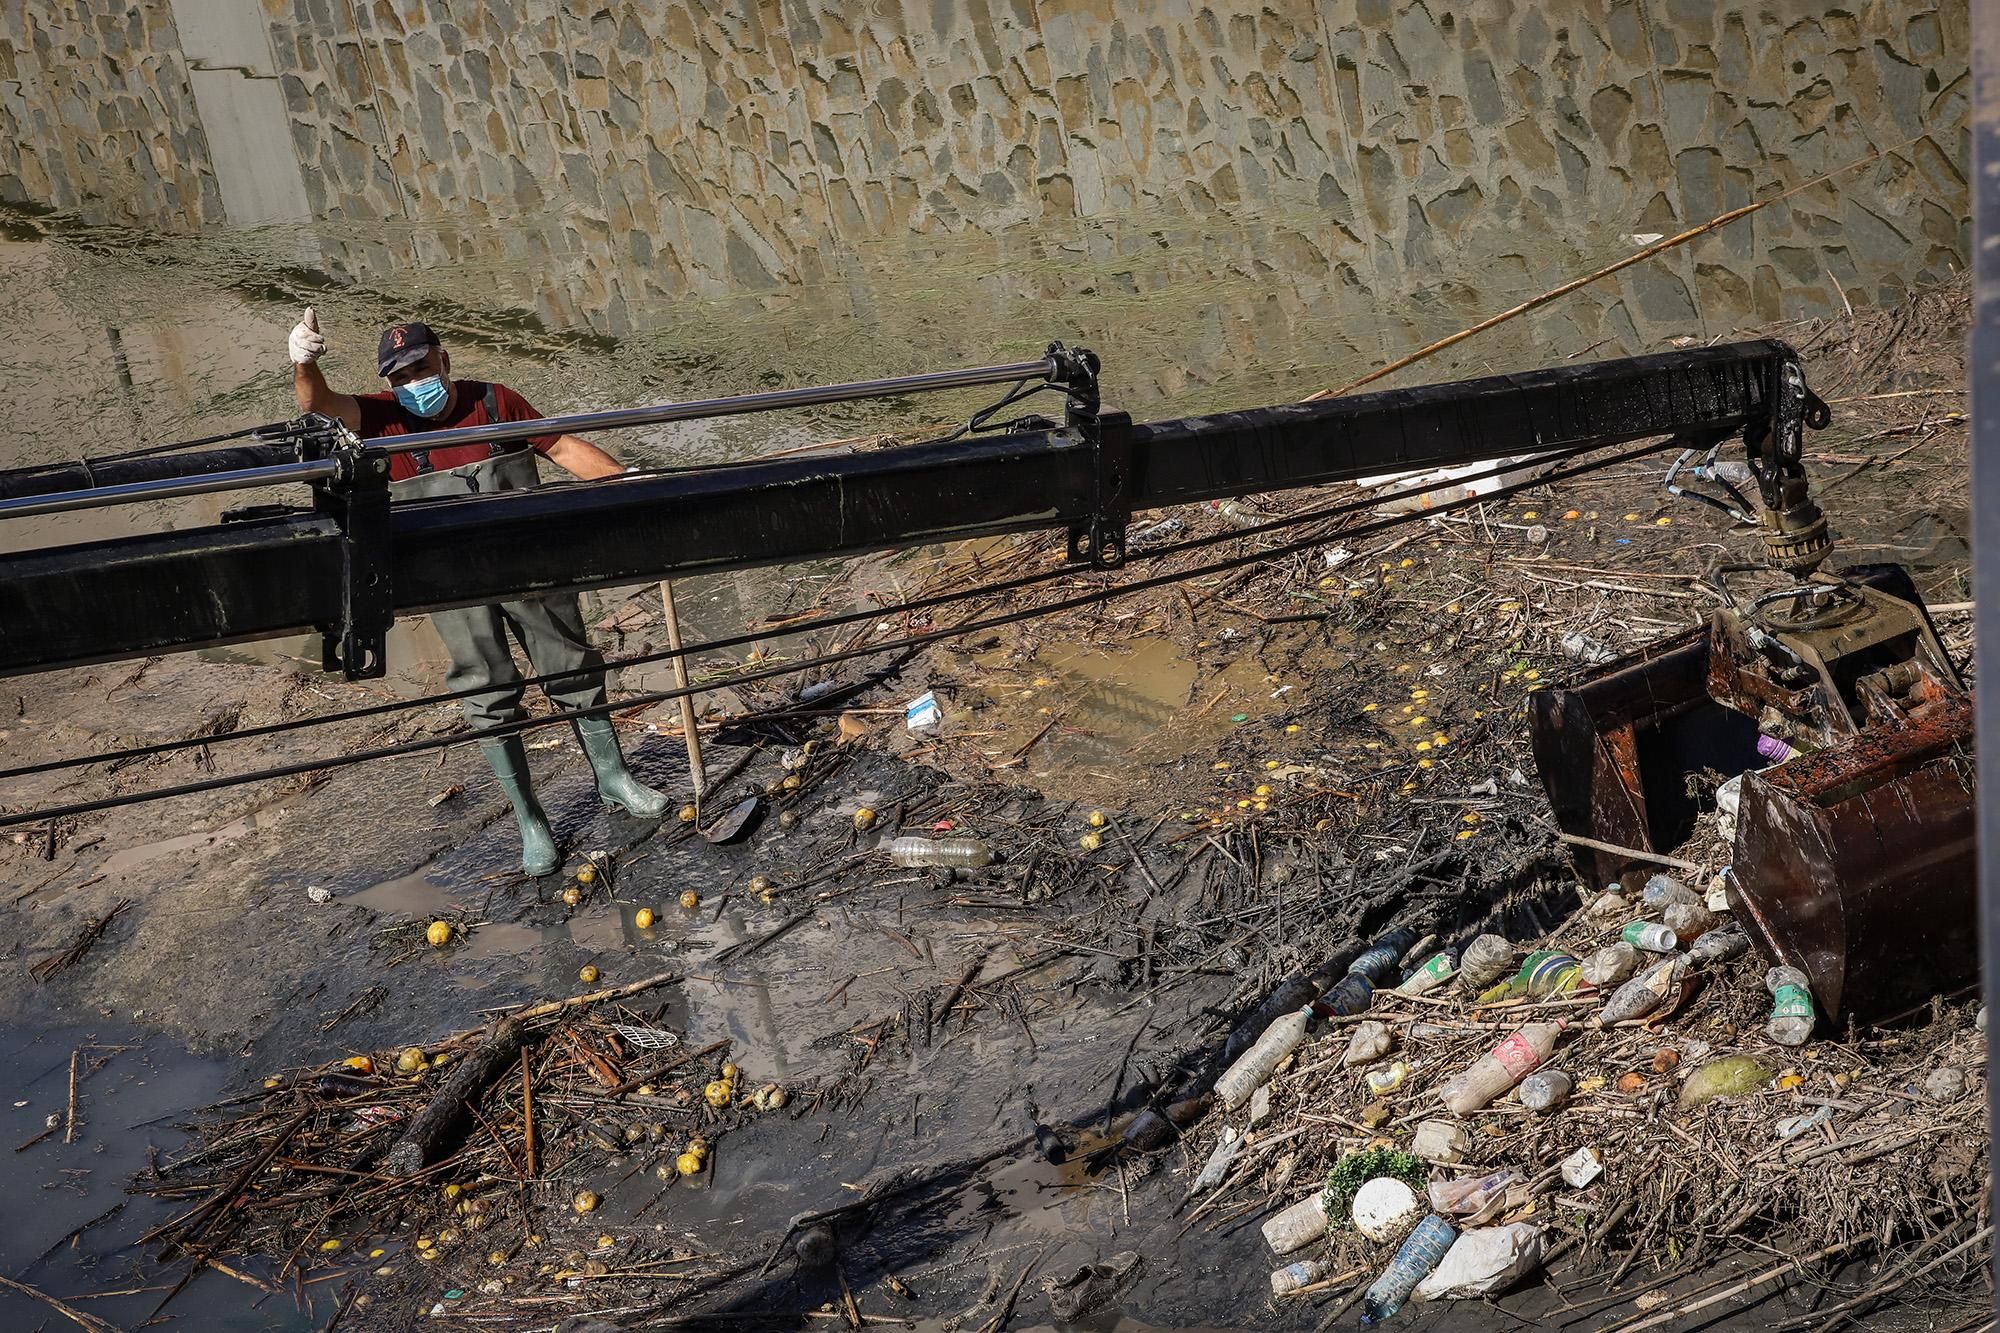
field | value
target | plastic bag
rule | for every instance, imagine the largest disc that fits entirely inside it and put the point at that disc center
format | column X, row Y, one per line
column 1467, row 1197
column 1484, row 1261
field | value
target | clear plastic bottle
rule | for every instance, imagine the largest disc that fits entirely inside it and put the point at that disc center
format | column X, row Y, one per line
column 1234, row 511
column 1421, row 1253
column 1644, row 993
column 1546, row 1089
column 1286, row 1280
column 1254, row 1066
column 1719, row 946
column 1301, row 1224
column 1690, row 921
column 1500, row 1069
column 1792, row 1015
column 955, row 853
column 1486, row 960
column 1664, row 891
column 1352, row 996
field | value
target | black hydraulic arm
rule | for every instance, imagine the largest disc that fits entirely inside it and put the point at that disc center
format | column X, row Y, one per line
column 346, row 565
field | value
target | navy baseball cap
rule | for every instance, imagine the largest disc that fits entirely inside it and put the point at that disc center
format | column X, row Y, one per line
column 404, row 344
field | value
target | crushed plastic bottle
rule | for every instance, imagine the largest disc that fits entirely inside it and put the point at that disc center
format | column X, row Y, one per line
column 1644, row 993
column 1580, row 647
column 1650, row 937
column 1500, row 1068
column 1792, row 1014
column 1385, row 1079
column 1415, row 1259
column 954, row 853
column 1485, row 961
column 1253, row 1068
column 1470, row 1195
column 1546, row 1090
column 1370, row 1042
column 1720, row 946
column 1212, row 1171
column 1611, row 965
column 1690, row 921
column 1663, row 891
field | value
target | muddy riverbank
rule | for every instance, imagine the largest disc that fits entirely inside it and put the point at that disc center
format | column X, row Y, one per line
column 1289, row 755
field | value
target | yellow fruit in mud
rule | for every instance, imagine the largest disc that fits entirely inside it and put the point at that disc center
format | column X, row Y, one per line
column 717, row 1093
column 690, row 899
column 791, row 782
column 571, row 896
column 864, row 818
column 688, row 1164
column 1090, row 842
column 411, row 1060
column 586, row 874
column 587, row 975
column 453, row 1191
column 360, row 1064
column 586, row 1201
column 1291, row 728
column 329, row 1245
column 761, row 885
column 643, row 918
column 497, row 1258
column 1097, row 819
column 1220, row 765
column 439, row 934
column 698, row 1145
column 688, row 813
column 1263, row 789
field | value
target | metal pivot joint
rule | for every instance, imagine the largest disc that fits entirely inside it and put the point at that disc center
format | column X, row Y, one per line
column 1100, row 540
column 356, row 497
column 1795, row 531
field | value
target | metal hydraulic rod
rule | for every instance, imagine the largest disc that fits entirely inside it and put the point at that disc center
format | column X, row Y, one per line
column 348, row 566
column 69, row 487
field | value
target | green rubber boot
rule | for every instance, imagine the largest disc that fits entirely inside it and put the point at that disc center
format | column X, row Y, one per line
column 615, row 782
column 509, row 760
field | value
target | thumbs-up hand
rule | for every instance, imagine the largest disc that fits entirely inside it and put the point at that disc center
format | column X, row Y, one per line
column 307, row 345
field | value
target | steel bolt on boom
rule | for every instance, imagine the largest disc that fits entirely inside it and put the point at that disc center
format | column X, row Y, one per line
column 1834, row 846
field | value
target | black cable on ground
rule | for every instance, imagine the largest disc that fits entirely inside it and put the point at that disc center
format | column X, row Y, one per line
column 835, row 621
column 908, row 641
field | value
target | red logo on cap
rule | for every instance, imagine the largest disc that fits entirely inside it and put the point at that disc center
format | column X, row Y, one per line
column 396, row 335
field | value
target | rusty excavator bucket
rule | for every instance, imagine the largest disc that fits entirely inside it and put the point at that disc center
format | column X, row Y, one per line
column 1852, row 730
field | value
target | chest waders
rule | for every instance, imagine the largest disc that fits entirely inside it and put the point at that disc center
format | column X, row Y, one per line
column 549, row 629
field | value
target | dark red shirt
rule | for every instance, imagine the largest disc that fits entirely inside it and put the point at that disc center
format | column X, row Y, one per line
column 382, row 415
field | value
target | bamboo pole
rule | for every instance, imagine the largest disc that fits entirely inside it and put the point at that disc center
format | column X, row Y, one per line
column 673, row 616
column 1576, row 284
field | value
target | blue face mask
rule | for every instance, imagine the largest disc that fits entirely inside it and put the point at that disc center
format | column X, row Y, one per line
column 425, row 397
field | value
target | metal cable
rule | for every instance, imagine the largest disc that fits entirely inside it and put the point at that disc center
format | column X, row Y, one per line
column 909, row 641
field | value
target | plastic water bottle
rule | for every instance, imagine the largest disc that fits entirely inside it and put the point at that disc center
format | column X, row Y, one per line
column 1664, row 891
column 1434, row 972
column 955, row 853
column 1421, row 1253
column 1719, row 946
column 1381, row 957
column 1500, row 1069
column 1653, row 939
column 1301, row 1224
column 1690, row 921
column 1792, row 1015
column 1254, row 1066
column 1234, row 512
column 1611, row 964
column 1644, row 993
column 1350, row 997
column 1486, row 960
column 1304, row 1273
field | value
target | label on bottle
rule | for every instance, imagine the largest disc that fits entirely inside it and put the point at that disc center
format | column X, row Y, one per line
column 1517, row 1055
column 1437, row 970
column 1791, row 1002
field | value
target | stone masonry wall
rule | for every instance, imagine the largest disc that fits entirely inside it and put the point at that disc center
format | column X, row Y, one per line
column 1448, row 154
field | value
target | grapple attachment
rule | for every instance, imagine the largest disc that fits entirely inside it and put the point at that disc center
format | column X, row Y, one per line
column 1853, row 858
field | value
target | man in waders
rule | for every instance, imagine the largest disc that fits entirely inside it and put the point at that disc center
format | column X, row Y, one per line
column 423, row 396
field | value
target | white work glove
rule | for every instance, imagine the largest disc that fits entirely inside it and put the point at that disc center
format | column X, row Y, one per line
column 306, row 345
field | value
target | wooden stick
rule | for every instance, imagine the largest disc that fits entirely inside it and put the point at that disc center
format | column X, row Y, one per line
column 1575, row 284
column 1577, row 839
column 673, row 617
column 69, row 1124
column 75, row 1316
column 528, row 1110
column 1737, row 1289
